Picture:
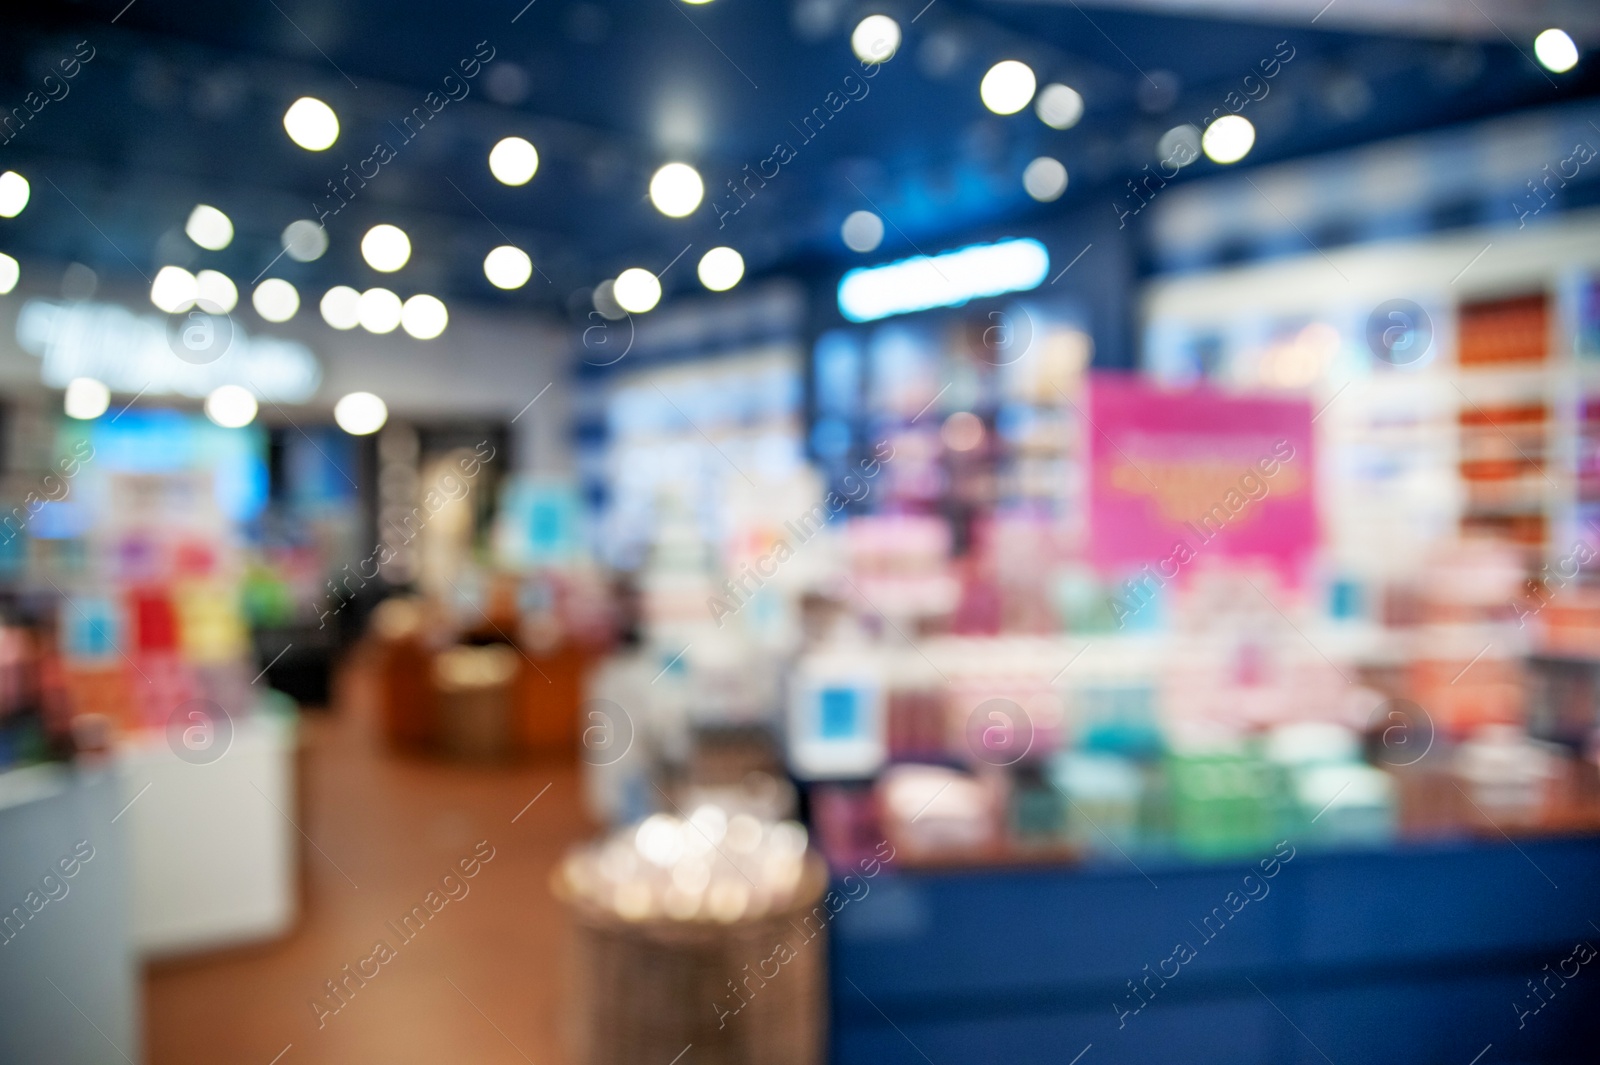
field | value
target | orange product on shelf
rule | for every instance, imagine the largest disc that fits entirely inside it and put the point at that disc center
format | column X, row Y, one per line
column 1526, row 530
column 1502, row 441
column 1464, row 695
column 1515, row 330
column 1570, row 624
column 103, row 689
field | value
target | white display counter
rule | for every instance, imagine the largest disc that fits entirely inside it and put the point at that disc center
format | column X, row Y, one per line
column 212, row 850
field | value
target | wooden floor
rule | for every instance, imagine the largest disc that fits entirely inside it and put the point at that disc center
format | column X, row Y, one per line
column 482, row 982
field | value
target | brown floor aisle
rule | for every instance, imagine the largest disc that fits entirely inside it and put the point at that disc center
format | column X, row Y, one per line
column 480, row 983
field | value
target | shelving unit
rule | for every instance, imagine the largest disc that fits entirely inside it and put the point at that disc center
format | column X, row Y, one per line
column 1496, row 428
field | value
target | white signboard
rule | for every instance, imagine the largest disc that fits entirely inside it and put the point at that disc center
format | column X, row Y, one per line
column 183, row 354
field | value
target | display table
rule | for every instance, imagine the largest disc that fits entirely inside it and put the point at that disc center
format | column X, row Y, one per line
column 213, row 852
column 1412, row 954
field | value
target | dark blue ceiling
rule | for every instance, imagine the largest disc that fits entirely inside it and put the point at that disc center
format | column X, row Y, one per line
column 184, row 99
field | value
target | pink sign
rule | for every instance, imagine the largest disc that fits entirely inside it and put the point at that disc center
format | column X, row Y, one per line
column 1220, row 474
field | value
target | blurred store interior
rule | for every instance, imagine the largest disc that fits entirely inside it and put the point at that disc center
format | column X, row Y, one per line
column 693, row 532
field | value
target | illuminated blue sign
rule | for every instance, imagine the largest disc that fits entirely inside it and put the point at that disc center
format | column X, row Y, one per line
column 946, row 280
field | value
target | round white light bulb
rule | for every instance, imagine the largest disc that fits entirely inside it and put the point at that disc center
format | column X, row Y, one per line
column 1556, row 51
column 231, row 406
column 721, row 269
column 1007, row 87
column 10, row 273
column 378, row 311
column 209, row 228
column 311, row 124
column 513, row 161
column 360, row 413
column 341, row 307
column 1045, row 179
column 1228, row 139
column 1179, row 146
column 424, row 316
column 605, row 302
column 86, row 398
column 14, row 193
column 276, row 300
column 676, row 190
column 636, row 290
column 174, row 289
column 862, row 231
column 217, row 292
column 304, row 241
column 507, row 267
column 876, row 39
column 1059, row 106
column 386, row 248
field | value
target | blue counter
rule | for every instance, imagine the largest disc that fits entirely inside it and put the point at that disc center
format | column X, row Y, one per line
column 1415, row 954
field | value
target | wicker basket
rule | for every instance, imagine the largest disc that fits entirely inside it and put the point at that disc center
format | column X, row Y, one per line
column 647, row 990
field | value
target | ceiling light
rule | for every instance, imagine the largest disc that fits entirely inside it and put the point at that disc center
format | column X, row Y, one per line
column 721, row 269
column 276, row 300
column 10, row 272
column 231, row 406
column 304, row 240
column 386, row 248
column 1556, row 51
column 876, row 39
column 513, row 161
column 507, row 267
column 360, row 413
column 636, row 290
column 209, row 228
column 862, row 231
column 217, row 292
column 311, row 124
column 378, row 311
column 1179, row 146
column 424, row 316
column 1045, row 179
column 86, row 398
column 1008, row 87
column 340, row 307
column 1228, row 139
column 605, row 301
column 14, row 190
column 174, row 289
column 676, row 189
column 1059, row 106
